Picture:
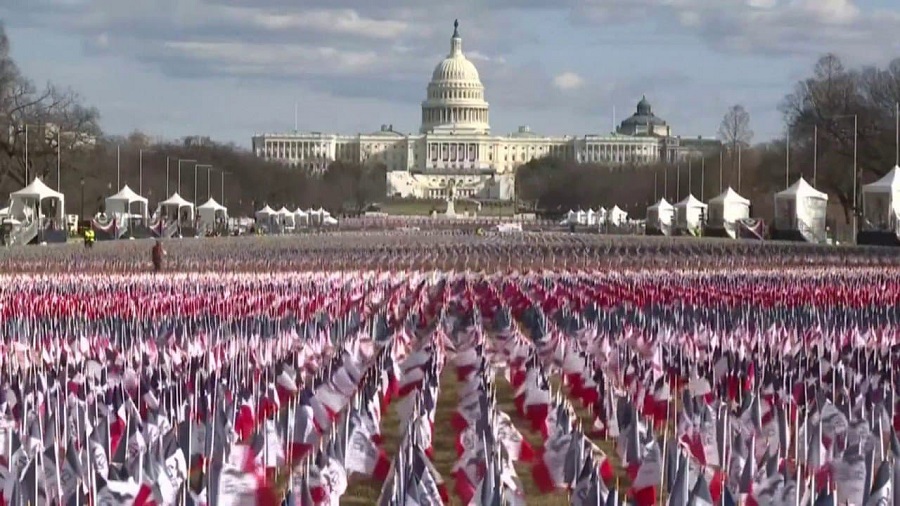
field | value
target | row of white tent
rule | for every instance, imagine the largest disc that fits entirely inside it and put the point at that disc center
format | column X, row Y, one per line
column 299, row 217
column 615, row 217
column 129, row 203
column 722, row 212
column 800, row 207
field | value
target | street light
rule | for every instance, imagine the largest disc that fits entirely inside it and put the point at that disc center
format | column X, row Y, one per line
column 82, row 198
column 207, row 167
column 58, row 151
column 223, row 187
column 180, row 161
column 26, row 150
column 855, row 167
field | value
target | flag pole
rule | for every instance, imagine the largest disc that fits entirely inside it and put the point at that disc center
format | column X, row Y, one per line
column 815, row 154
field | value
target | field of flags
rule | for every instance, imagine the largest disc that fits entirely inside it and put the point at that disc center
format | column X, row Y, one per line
column 449, row 370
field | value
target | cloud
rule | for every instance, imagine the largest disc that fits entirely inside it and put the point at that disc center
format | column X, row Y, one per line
column 568, row 81
column 383, row 52
column 767, row 27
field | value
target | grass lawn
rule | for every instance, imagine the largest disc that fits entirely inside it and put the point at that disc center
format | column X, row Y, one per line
column 424, row 207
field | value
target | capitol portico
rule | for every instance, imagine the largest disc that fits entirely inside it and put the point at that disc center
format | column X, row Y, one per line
column 454, row 146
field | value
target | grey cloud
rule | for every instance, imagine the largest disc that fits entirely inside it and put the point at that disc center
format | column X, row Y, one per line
column 775, row 28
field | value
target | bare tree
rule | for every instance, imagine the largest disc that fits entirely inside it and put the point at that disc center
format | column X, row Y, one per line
column 735, row 132
column 50, row 119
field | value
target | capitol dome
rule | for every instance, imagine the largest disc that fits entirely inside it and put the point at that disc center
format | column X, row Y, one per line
column 455, row 94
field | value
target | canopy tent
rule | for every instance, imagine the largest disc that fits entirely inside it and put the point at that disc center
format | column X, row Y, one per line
column 286, row 217
column 660, row 215
column 581, row 217
column 178, row 207
column 689, row 214
column 211, row 212
column 121, row 203
column 317, row 216
column 801, row 208
column 591, row 217
column 265, row 213
column 616, row 216
column 881, row 203
column 24, row 203
column 726, row 209
column 301, row 217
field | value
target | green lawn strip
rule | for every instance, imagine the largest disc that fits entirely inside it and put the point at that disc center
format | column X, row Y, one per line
column 444, row 438
column 586, row 417
column 366, row 490
column 505, row 396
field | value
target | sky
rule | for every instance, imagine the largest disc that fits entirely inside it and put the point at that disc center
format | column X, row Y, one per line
column 229, row 69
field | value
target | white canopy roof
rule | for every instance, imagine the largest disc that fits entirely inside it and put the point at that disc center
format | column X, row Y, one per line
column 37, row 190
column 301, row 213
column 887, row 184
column 662, row 204
column 616, row 210
column 729, row 196
column 211, row 204
column 176, row 200
column 127, row 195
column 284, row 212
column 691, row 201
column 266, row 211
column 801, row 189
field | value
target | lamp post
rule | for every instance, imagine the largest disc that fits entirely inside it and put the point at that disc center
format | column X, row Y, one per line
column 207, row 167
column 223, row 187
column 26, row 147
column 82, row 198
column 180, row 161
column 141, row 172
column 118, row 167
column 855, row 166
column 167, row 178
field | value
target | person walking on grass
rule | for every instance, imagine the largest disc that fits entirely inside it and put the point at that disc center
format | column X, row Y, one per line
column 156, row 255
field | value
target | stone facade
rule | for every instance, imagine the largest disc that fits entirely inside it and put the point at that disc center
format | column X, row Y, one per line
column 455, row 148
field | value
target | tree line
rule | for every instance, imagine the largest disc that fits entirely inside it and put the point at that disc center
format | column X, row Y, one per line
column 825, row 115
column 60, row 138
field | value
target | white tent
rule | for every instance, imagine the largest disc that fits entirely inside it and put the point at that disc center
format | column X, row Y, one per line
column 176, row 206
column 660, row 215
column 301, row 217
column 801, row 208
column 265, row 214
column 26, row 203
column 571, row 217
column 726, row 209
column 121, row 203
column 616, row 216
column 581, row 217
column 286, row 217
column 881, row 202
column 317, row 216
column 591, row 217
column 689, row 214
column 211, row 212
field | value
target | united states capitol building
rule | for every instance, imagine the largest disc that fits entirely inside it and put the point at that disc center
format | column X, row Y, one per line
column 455, row 148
